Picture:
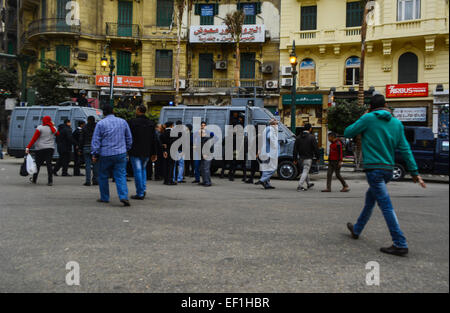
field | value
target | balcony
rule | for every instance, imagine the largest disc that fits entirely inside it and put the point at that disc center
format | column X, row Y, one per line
column 123, row 30
column 53, row 26
column 202, row 83
column 79, row 81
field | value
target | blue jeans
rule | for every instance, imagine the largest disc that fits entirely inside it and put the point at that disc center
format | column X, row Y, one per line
column 378, row 193
column 266, row 175
column 118, row 165
column 197, row 169
column 140, row 174
column 90, row 166
column 180, row 166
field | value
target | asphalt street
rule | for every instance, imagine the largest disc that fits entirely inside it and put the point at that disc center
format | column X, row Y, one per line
column 231, row 237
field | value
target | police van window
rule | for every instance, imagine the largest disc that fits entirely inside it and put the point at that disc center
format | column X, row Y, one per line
column 35, row 118
column 444, row 146
column 20, row 118
column 63, row 118
column 409, row 133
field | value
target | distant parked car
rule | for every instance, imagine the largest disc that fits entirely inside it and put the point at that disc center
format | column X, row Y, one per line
column 431, row 153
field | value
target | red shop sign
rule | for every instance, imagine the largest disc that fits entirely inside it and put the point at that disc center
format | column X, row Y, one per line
column 407, row 90
column 121, row 81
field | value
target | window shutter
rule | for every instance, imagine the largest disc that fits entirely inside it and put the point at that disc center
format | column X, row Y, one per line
column 309, row 18
column 408, row 66
column 258, row 7
column 63, row 55
column 216, row 8
column 164, row 12
column 354, row 14
column 123, row 63
column 197, row 9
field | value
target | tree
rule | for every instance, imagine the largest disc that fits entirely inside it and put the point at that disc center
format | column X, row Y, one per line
column 343, row 115
column 8, row 83
column 179, row 5
column 234, row 22
column 50, row 84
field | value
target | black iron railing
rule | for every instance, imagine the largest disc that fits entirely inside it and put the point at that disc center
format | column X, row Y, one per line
column 122, row 30
column 53, row 25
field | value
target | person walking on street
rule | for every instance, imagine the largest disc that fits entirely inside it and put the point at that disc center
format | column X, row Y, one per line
column 111, row 140
column 86, row 135
column 178, row 171
column 144, row 147
column 159, row 162
column 168, row 161
column 335, row 160
column 305, row 149
column 44, row 143
column 77, row 149
column 64, row 143
column 269, row 154
column 205, row 165
column 381, row 135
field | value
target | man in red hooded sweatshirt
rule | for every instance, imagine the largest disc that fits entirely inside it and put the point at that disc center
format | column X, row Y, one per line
column 335, row 159
column 44, row 144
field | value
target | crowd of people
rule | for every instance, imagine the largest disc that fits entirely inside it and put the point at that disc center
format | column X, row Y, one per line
column 110, row 145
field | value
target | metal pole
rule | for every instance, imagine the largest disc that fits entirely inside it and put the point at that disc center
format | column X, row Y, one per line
column 111, row 78
column 294, row 91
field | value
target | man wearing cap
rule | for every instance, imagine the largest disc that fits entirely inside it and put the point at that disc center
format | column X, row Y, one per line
column 381, row 135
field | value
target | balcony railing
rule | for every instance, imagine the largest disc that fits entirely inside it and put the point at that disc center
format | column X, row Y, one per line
column 223, row 83
column 122, row 30
column 354, row 31
column 53, row 25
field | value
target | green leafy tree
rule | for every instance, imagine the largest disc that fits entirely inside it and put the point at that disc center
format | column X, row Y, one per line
column 343, row 115
column 50, row 84
column 8, row 84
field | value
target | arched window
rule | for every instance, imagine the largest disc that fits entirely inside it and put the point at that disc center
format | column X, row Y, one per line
column 408, row 67
column 352, row 71
column 307, row 72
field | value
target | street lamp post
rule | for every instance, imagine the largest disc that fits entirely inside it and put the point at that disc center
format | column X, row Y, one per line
column 104, row 63
column 293, row 61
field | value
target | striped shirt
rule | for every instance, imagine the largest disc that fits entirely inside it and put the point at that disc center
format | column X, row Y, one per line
column 112, row 136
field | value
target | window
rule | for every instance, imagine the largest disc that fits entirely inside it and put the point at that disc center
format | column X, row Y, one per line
column 206, row 62
column 355, row 12
column 163, row 64
column 63, row 55
column 207, row 12
column 352, row 71
column 408, row 67
column 250, row 10
column 125, row 19
column 61, row 14
column 123, row 63
column 408, row 10
column 308, row 18
column 164, row 12
column 248, row 65
column 44, row 9
column 307, row 72
column 444, row 146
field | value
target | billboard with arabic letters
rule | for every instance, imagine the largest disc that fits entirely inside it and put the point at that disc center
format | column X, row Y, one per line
column 120, row 81
column 220, row 34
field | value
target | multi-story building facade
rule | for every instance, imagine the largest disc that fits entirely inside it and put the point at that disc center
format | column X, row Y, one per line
column 140, row 33
column 406, row 60
column 8, row 32
column 212, row 54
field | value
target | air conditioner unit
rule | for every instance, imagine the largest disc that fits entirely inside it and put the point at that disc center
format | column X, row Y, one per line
column 221, row 65
column 82, row 55
column 182, row 84
column 267, row 68
column 286, row 82
column 271, row 84
column 286, row 70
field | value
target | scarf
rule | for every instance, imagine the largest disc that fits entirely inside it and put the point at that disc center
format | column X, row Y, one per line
column 47, row 121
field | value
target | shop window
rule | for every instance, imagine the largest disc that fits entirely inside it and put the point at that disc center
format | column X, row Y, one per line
column 352, row 66
column 308, row 18
column 408, row 67
column 63, row 55
column 164, row 12
column 355, row 12
column 163, row 64
column 307, row 74
column 123, row 63
column 408, row 10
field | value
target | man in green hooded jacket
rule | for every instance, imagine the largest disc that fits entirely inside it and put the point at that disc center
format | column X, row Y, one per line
column 382, row 134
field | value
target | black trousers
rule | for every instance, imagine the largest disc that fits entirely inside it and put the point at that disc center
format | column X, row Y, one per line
column 168, row 166
column 149, row 169
column 63, row 161
column 41, row 156
column 159, row 167
column 77, row 161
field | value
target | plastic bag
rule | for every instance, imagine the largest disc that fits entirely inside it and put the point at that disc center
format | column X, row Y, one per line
column 31, row 165
column 23, row 168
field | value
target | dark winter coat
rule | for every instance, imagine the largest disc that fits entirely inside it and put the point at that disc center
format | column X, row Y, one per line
column 306, row 147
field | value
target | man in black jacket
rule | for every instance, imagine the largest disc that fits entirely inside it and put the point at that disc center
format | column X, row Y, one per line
column 168, row 162
column 77, row 149
column 64, row 143
column 305, row 149
column 85, row 147
column 144, row 147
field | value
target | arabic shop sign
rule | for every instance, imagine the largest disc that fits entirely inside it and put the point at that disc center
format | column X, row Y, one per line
column 120, row 81
column 220, row 34
column 411, row 114
column 303, row 99
column 407, row 90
